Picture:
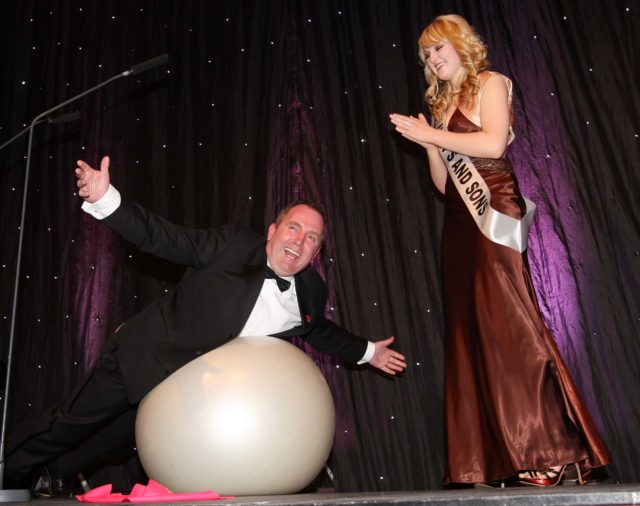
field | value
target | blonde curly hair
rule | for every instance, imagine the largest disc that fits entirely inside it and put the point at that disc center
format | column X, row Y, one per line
column 473, row 55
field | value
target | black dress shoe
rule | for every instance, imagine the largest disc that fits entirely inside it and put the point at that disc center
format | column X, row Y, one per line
column 51, row 483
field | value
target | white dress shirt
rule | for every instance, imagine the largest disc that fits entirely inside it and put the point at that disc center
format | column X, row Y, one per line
column 275, row 311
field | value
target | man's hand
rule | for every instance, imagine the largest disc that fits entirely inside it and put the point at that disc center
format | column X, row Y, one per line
column 386, row 359
column 92, row 184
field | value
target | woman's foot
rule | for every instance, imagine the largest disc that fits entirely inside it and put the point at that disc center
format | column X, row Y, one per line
column 546, row 477
column 576, row 474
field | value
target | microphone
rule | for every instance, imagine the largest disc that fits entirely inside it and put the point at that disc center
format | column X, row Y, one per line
column 24, row 495
column 140, row 67
column 64, row 118
column 147, row 65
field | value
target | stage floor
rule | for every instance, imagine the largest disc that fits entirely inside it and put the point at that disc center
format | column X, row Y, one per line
column 590, row 494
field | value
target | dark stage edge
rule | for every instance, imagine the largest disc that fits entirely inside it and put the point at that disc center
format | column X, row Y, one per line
column 590, row 494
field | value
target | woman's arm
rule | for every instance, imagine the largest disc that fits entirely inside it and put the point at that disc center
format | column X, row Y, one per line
column 437, row 168
column 490, row 142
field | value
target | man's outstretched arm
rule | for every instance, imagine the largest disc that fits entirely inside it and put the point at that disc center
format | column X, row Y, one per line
column 92, row 184
column 330, row 338
column 150, row 232
column 386, row 359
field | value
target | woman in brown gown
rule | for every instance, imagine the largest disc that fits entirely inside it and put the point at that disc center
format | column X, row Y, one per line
column 512, row 409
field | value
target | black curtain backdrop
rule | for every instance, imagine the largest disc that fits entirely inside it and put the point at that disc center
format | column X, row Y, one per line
column 266, row 101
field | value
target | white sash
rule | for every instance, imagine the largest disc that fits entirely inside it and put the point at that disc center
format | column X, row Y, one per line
column 497, row 227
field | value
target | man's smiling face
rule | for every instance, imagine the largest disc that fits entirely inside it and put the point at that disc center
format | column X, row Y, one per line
column 294, row 242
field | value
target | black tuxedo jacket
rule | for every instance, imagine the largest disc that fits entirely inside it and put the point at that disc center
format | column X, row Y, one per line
column 212, row 302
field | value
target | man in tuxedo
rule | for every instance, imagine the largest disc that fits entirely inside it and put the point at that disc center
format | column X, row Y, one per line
column 237, row 284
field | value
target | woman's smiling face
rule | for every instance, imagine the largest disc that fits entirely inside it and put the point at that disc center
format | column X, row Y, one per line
column 443, row 61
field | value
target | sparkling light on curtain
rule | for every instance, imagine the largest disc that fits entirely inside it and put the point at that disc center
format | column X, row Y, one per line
column 265, row 102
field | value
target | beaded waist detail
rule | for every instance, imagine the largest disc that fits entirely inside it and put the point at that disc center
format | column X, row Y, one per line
column 492, row 164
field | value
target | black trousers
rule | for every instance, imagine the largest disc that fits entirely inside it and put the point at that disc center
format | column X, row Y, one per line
column 100, row 400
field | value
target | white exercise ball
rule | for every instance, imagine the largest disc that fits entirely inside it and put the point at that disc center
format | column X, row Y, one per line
column 252, row 417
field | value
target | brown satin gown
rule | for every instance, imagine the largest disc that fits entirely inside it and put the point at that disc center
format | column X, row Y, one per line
column 511, row 404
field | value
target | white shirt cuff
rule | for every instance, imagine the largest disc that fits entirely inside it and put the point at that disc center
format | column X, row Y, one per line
column 368, row 354
column 105, row 205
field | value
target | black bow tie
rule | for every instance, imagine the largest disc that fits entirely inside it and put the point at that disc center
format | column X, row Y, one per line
column 283, row 284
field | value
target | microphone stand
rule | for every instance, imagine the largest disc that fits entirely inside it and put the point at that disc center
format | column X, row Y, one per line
column 19, row 495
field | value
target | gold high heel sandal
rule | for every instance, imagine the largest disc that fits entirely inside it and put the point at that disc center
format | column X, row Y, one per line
column 547, row 477
column 575, row 474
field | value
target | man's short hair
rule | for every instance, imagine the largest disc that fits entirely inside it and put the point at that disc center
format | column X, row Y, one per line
column 301, row 202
